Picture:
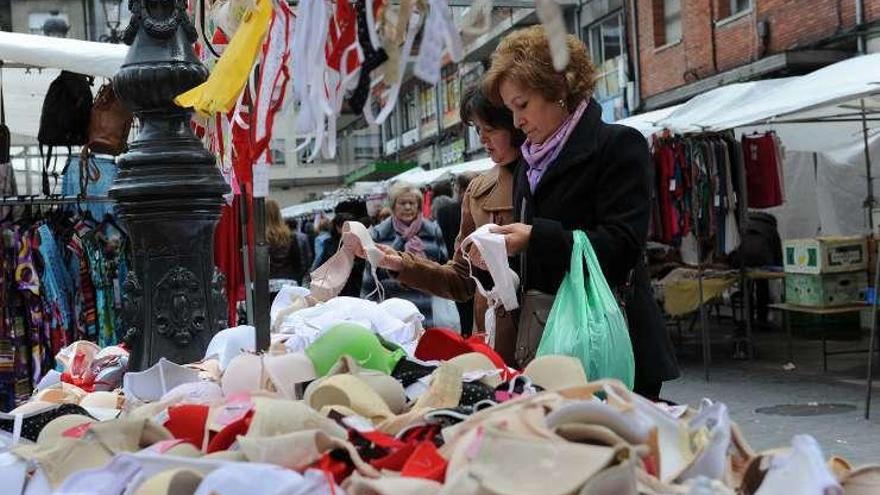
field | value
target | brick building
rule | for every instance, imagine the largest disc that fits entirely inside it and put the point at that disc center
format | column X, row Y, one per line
column 686, row 47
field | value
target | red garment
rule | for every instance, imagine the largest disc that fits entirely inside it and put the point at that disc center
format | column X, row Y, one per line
column 440, row 344
column 342, row 39
column 396, row 460
column 335, row 464
column 667, row 189
column 427, row 199
column 425, row 462
column 226, row 437
column 227, row 256
column 763, row 167
column 187, row 422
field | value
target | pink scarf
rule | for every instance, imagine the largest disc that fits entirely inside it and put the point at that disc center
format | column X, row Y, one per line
column 541, row 156
column 410, row 234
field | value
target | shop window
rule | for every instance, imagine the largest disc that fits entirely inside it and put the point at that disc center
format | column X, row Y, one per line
column 667, row 22
column 428, row 104
column 730, row 8
column 739, row 6
column 410, row 110
column 451, row 89
column 277, row 149
column 606, row 41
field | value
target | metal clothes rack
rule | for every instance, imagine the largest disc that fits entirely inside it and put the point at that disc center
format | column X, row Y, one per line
column 52, row 200
column 742, row 215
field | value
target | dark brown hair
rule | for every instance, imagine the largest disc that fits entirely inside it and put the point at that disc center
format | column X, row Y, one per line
column 476, row 105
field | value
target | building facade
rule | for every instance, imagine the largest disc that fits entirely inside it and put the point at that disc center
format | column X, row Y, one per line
column 650, row 54
column 686, row 47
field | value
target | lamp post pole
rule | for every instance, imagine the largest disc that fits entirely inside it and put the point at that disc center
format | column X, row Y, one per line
column 168, row 193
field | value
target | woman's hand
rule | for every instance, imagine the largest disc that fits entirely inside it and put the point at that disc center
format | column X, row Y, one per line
column 391, row 259
column 516, row 237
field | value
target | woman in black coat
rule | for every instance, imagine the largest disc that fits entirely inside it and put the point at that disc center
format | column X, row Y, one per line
column 579, row 173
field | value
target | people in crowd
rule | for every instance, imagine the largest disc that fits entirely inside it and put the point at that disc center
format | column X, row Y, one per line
column 408, row 232
column 579, row 173
column 384, row 214
column 323, row 234
column 305, row 248
column 488, row 198
column 285, row 261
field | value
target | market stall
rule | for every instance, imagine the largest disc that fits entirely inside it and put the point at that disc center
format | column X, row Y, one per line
column 822, row 125
column 325, row 394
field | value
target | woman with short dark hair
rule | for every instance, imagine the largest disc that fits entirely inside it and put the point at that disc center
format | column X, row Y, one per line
column 487, row 199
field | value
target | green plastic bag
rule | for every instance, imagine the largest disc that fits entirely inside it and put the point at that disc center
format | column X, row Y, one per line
column 587, row 323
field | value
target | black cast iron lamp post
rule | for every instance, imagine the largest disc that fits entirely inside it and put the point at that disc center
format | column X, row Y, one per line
column 112, row 15
column 168, row 193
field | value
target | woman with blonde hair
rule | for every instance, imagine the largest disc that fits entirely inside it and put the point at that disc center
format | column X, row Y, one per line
column 577, row 173
column 406, row 231
column 284, row 256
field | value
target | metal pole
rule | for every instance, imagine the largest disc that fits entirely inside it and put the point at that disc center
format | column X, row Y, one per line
column 869, row 201
column 261, row 275
column 246, row 258
column 872, row 339
column 860, row 20
column 169, row 194
column 704, row 330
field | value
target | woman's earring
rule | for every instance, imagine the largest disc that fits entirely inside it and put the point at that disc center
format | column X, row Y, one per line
column 561, row 103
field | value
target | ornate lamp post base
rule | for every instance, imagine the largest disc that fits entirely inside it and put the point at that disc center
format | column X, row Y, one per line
column 169, row 194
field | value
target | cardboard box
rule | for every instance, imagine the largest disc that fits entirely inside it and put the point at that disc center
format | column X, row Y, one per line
column 825, row 290
column 825, row 255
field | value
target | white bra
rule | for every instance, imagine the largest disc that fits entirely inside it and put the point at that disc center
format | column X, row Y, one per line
column 493, row 249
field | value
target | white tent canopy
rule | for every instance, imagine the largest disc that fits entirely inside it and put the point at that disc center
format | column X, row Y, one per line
column 84, row 57
column 421, row 177
column 799, row 109
column 25, row 89
column 647, row 123
column 325, row 204
column 818, row 119
column 818, row 93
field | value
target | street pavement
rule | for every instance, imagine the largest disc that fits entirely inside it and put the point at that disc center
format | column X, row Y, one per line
column 746, row 386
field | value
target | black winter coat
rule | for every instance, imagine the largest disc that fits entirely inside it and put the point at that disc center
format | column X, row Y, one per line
column 435, row 250
column 600, row 184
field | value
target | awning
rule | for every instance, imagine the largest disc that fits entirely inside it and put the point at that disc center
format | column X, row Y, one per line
column 646, row 123
column 422, row 177
column 85, row 57
column 378, row 170
column 818, row 112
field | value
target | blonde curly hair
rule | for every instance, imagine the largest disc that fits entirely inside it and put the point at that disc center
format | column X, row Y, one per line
column 523, row 57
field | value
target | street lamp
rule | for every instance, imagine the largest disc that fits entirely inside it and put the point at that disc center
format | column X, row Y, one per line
column 55, row 26
column 112, row 13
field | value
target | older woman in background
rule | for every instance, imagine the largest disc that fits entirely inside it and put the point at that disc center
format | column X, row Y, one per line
column 578, row 173
column 406, row 231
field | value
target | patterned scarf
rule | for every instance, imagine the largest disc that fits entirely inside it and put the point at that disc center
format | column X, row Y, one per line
column 541, row 156
column 410, row 234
